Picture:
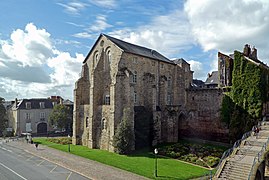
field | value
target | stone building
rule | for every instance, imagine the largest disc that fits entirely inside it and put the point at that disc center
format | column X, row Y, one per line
column 30, row 115
column 122, row 79
column 158, row 96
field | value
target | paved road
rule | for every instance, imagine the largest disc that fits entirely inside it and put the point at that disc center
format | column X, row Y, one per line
column 17, row 164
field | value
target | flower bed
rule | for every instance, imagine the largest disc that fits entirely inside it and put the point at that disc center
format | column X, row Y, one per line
column 207, row 156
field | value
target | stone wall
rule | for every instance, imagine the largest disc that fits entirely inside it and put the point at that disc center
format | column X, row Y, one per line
column 202, row 116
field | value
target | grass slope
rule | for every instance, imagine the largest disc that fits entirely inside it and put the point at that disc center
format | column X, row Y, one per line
column 142, row 163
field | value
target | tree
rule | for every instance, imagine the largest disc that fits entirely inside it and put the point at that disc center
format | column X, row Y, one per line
column 60, row 116
column 3, row 116
column 123, row 140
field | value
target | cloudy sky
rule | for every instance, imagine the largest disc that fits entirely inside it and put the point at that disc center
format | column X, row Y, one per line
column 43, row 43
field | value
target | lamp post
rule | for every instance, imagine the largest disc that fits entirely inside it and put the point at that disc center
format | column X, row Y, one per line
column 156, row 169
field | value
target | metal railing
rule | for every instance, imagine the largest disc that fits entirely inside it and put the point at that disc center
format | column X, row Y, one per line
column 257, row 158
column 228, row 152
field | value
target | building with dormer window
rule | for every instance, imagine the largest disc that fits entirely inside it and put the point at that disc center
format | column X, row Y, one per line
column 30, row 116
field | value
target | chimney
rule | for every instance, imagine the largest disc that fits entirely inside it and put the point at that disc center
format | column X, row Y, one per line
column 253, row 53
column 16, row 102
column 246, row 51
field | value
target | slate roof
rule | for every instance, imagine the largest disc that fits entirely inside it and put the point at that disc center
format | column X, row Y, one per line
column 134, row 49
column 212, row 78
column 35, row 103
column 196, row 83
column 139, row 50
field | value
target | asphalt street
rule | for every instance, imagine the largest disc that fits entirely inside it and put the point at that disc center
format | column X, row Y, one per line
column 18, row 164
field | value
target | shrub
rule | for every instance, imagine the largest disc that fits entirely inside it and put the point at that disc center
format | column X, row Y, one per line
column 123, row 140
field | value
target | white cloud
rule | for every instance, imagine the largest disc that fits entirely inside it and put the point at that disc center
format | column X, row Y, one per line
column 198, row 69
column 83, row 35
column 31, row 66
column 31, row 47
column 230, row 26
column 73, row 7
column 168, row 34
column 98, row 26
column 110, row 4
column 65, row 68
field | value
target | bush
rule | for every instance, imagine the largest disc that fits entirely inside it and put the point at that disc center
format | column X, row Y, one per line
column 123, row 140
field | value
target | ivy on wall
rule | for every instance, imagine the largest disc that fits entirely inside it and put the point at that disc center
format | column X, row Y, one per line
column 242, row 106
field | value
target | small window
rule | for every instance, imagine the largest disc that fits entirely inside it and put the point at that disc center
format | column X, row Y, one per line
column 161, row 65
column 27, row 116
column 135, row 60
column 135, row 77
column 42, row 116
column 102, row 43
column 153, row 63
column 28, row 105
column 42, row 105
column 107, row 100
column 135, row 97
column 104, row 124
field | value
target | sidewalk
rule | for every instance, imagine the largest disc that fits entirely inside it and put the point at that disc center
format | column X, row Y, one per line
column 88, row 168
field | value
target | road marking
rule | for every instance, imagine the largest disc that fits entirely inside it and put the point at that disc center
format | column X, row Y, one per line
column 68, row 176
column 29, row 158
column 53, row 168
column 13, row 171
column 40, row 163
column 9, row 150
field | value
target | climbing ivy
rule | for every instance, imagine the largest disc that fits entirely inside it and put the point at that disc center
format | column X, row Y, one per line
column 242, row 106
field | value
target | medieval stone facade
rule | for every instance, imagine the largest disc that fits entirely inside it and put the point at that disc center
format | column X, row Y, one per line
column 118, row 76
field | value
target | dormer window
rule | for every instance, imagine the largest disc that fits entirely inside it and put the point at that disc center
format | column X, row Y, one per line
column 42, row 105
column 28, row 105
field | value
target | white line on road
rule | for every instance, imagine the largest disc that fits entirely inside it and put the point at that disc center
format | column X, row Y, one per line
column 53, row 168
column 40, row 163
column 68, row 176
column 13, row 171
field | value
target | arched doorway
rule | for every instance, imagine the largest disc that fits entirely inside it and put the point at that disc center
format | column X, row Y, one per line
column 42, row 128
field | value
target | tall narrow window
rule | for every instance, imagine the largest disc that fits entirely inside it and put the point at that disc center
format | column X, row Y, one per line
column 169, row 82
column 168, row 99
column 109, row 56
column 135, row 97
column 135, row 77
column 87, row 122
column 107, row 100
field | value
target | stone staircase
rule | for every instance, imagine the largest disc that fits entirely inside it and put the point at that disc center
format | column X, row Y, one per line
column 241, row 160
column 235, row 170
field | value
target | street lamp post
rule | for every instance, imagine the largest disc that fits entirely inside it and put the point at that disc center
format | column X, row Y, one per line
column 156, row 168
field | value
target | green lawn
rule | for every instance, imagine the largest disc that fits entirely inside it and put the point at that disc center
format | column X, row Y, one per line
column 141, row 163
